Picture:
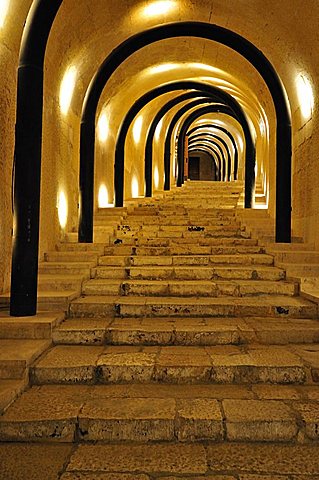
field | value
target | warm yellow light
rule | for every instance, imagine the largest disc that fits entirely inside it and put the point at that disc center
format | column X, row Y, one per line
column 262, row 126
column 159, row 8
column 66, row 90
column 103, row 127
column 103, row 198
column 62, row 206
column 134, row 187
column 305, row 95
column 240, row 143
column 156, row 177
column 162, row 67
column 4, row 7
column 204, row 66
column 158, row 130
column 137, row 129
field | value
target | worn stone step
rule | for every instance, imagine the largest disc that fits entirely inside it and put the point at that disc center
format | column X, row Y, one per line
column 250, row 272
column 220, row 364
column 299, row 257
column 16, row 355
column 176, row 221
column 52, row 300
column 300, row 269
column 127, row 250
column 186, row 331
column 145, row 260
column 9, row 391
column 72, row 268
column 189, row 288
column 39, row 326
column 205, row 232
column 178, row 241
column 263, row 305
column 80, row 247
column 106, row 414
column 73, row 256
column 53, row 282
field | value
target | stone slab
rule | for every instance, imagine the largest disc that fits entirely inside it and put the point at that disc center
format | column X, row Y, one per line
column 259, row 420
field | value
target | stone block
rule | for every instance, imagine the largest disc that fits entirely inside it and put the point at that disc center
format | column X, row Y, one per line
column 199, row 419
column 259, row 420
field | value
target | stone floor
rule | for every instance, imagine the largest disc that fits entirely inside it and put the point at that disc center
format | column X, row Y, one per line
column 218, row 461
column 183, row 352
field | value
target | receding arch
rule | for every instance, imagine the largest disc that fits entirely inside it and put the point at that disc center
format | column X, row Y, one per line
column 120, row 142
column 222, row 141
column 85, row 232
column 213, row 144
column 27, row 157
column 233, row 108
column 148, row 155
column 242, row 46
column 232, row 139
column 250, row 163
column 215, row 157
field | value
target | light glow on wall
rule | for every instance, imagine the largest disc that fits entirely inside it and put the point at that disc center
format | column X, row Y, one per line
column 158, row 130
column 156, row 177
column 134, row 187
column 62, row 206
column 67, row 88
column 103, row 127
column 137, row 129
column 305, row 96
column 4, row 7
column 103, row 198
column 162, row 67
column 159, row 7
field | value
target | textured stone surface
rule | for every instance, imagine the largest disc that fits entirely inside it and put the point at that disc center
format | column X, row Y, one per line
column 156, row 458
column 32, row 461
column 259, row 420
column 128, row 419
column 265, row 459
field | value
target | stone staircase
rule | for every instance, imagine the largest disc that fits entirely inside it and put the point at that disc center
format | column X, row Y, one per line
column 185, row 331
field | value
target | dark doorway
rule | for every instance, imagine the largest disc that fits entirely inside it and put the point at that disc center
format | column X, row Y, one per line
column 193, row 168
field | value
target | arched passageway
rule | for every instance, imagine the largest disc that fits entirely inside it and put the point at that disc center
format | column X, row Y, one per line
column 40, row 21
column 230, row 136
column 210, row 136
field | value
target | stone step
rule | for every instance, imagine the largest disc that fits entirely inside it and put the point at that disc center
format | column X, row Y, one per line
column 189, row 232
column 263, row 305
column 297, row 257
column 289, row 247
column 195, row 240
column 71, row 256
column 9, row 391
column 180, row 222
column 53, row 282
column 39, row 326
column 144, row 260
column 189, row 288
column 186, row 331
column 52, row 300
column 172, row 229
column 81, row 247
column 250, row 272
column 219, row 364
column 69, row 268
column 124, row 250
column 16, row 355
column 111, row 211
column 300, row 269
column 148, row 413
